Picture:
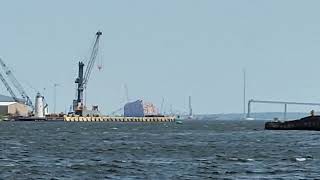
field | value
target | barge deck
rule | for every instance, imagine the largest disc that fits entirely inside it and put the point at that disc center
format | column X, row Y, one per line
column 118, row 119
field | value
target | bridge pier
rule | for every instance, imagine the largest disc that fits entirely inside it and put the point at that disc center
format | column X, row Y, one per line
column 285, row 112
column 249, row 109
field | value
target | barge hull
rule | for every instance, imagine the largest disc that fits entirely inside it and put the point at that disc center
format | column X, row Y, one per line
column 311, row 123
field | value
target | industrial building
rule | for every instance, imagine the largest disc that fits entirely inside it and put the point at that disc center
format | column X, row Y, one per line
column 8, row 106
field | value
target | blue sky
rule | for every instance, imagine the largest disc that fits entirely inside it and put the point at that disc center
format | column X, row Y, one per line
column 167, row 48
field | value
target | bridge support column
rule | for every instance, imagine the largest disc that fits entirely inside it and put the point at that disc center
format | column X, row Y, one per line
column 285, row 111
column 249, row 109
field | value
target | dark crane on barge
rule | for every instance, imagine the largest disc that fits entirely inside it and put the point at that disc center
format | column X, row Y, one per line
column 83, row 77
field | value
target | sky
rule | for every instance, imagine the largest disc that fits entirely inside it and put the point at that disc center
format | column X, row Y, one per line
column 166, row 49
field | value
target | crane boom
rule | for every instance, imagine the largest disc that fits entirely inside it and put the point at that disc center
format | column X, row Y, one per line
column 13, row 95
column 16, row 84
column 92, row 59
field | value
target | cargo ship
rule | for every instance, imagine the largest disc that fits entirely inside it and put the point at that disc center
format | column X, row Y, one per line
column 308, row 123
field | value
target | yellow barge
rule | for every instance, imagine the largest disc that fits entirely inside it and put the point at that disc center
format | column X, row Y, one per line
column 117, row 119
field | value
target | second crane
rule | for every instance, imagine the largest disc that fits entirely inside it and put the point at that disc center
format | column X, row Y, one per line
column 79, row 106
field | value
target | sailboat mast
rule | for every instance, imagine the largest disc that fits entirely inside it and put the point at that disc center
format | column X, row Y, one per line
column 244, row 91
column 190, row 108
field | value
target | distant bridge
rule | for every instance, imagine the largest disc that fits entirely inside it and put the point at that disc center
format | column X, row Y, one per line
column 250, row 102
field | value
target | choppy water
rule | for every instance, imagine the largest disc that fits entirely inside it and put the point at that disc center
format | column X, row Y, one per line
column 192, row 150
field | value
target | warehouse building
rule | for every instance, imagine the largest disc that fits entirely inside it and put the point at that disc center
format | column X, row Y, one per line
column 9, row 107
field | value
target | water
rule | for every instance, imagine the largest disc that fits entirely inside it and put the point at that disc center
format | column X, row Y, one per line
column 192, row 150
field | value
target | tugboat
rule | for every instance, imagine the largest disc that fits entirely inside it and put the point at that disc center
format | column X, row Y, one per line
column 311, row 122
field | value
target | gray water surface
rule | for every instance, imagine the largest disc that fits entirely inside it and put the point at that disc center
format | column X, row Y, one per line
column 192, row 150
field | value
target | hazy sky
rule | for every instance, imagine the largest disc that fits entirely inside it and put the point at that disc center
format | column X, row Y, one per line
column 167, row 48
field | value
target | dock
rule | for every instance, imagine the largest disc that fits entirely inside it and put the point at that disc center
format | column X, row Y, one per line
column 118, row 119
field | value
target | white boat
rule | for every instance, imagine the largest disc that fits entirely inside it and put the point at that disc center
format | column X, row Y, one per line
column 248, row 119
